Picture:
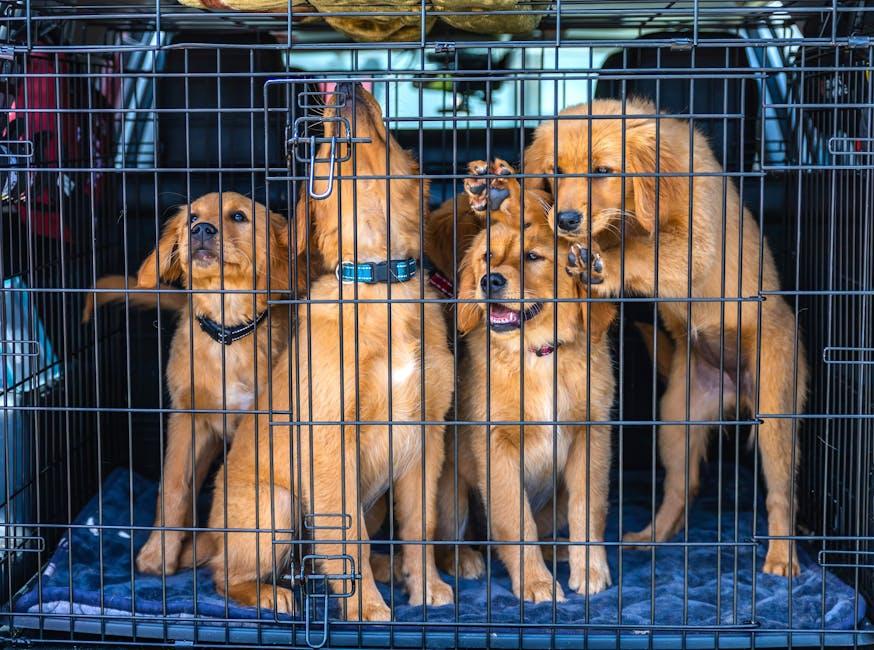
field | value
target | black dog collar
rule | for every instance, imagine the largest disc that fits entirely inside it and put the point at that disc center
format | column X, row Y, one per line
column 227, row 335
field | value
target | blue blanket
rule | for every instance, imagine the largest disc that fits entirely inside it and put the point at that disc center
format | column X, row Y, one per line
column 686, row 586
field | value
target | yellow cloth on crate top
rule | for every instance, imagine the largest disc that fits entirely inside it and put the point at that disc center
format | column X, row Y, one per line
column 404, row 20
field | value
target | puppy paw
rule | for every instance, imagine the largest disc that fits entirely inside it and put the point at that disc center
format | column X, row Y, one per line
column 593, row 579
column 435, row 594
column 777, row 561
column 154, row 560
column 282, row 601
column 262, row 595
column 641, row 540
column 585, row 264
column 373, row 609
column 471, row 565
column 491, row 193
column 540, row 590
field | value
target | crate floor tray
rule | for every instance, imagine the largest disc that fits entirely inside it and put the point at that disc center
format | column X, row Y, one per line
column 707, row 587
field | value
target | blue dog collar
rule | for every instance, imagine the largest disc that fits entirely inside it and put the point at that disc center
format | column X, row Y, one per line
column 377, row 272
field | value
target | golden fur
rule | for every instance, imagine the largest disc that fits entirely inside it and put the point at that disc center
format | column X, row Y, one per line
column 491, row 374
column 466, row 215
column 721, row 265
column 338, row 369
column 202, row 373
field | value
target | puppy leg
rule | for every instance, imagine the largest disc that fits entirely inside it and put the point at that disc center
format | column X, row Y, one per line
column 453, row 510
column 160, row 554
column 420, row 571
column 703, row 405
column 776, row 444
column 510, row 517
column 366, row 604
column 252, row 558
column 549, row 523
column 587, row 509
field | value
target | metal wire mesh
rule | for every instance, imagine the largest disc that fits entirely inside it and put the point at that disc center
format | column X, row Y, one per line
column 120, row 112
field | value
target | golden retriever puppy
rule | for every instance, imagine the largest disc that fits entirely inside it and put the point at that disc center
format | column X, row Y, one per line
column 708, row 247
column 351, row 362
column 219, row 352
column 558, row 351
column 499, row 198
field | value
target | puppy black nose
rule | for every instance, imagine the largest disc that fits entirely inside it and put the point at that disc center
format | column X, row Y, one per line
column 569, row 220
column 492, row 282
column 204, row 231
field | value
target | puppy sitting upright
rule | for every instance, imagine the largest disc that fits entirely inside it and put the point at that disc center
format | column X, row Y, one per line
column 709, row 249
column 219, row 242
column 558, row 352
column 353, row 368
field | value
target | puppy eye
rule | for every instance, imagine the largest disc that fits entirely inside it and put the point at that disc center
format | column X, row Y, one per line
column 559, row 170
column 603, row 170
column 239, row 217
column 193, row 217
column 531, row 256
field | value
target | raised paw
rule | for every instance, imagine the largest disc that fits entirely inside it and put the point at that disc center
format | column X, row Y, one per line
column 491, row 193
column 585, row 263
column 777, row 561
column 591, row 579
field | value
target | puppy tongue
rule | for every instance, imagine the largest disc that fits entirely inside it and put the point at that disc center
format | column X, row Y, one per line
column 502, row 315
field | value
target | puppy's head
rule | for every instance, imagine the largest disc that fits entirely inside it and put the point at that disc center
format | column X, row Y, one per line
column 367, row 185
column 220, row 237
column 587, row 165
column 504, row 265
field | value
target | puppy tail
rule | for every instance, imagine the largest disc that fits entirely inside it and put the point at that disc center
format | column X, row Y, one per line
column 171, row 301
column 206, row 550
column 665, row 348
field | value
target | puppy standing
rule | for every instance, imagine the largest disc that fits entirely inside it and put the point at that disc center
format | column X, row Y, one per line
column 721, row 252
column 224, row 253
column 563, row 359
column 340, row 369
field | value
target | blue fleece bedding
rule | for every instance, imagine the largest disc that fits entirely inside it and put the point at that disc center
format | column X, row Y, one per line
column 82, row 559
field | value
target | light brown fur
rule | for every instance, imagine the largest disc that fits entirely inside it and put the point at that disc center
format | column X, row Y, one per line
column 584, row 392
column 465, row 216
column 345, row 379
column 202, row 373
column 684, row 250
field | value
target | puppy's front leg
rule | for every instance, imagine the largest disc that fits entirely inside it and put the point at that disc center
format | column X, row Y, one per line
column 587, row 481
column 420, row 570
column 366, row 604
column 510, row 517
column 160, row 553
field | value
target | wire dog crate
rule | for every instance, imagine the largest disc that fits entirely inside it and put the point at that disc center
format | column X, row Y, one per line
column 118, row 112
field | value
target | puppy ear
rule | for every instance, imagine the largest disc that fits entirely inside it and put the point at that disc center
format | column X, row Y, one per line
column 540, row 158
column 301, row 230
column 163, row 262
column 469, row 313
column 279, row 254
column 641, row 159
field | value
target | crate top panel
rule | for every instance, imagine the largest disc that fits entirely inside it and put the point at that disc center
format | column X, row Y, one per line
column 302, row 24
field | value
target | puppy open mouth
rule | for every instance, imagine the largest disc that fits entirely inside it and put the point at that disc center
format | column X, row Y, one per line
column 504, row 319
column 204, row 256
